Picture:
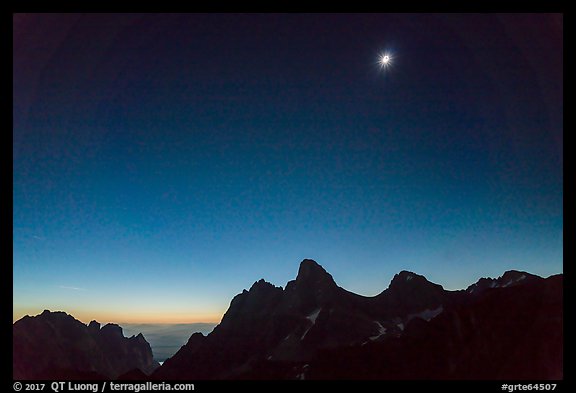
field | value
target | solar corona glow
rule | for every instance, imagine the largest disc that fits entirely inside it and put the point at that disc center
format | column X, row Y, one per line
column 162, row 163
column 385, row 60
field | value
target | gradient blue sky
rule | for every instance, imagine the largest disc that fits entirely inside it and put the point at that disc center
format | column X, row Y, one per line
column 163, row 163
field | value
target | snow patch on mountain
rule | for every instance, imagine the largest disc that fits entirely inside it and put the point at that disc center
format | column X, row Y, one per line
column 312, row 318
column 426, row 314
column 381, row 331
column 522, row 277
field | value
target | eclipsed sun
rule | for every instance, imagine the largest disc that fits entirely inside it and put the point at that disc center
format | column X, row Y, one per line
column 385, row 60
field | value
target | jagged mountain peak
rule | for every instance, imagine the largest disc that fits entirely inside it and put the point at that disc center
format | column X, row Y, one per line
column 55, row 344
column 509, row 278
column 259, row 300
column 112, row 329
column 139, row 337
column 313, row 287
column 268, row 330
column 262, row 285
column 311, row 273
column 410, row 293
column 405, row 275
column 515, row 276
column 257, row 293
column 310, row 265
column 409, row 279
column 95, row 325
column 54, row 315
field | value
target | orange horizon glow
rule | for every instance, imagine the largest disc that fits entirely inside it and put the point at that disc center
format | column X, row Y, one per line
column 119, row 318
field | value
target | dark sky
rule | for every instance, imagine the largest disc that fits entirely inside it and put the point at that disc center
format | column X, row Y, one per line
column 162, row 163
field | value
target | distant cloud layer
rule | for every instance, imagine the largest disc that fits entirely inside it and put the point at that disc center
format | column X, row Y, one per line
column 71, row 288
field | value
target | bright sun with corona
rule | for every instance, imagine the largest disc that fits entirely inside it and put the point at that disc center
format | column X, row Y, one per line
column 385, row 60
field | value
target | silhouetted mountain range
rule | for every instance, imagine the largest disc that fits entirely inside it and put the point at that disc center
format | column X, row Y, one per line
column 505, row 328
column 54, row 345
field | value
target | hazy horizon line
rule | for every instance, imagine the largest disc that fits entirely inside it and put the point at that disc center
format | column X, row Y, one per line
column 105, row 321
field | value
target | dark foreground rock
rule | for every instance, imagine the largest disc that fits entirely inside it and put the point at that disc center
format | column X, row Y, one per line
column 54, row 345
column 506, row 328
